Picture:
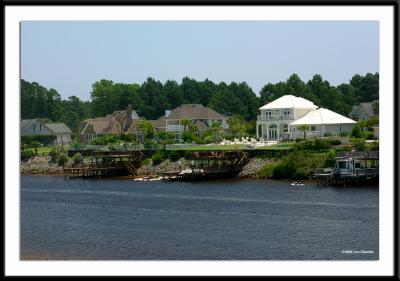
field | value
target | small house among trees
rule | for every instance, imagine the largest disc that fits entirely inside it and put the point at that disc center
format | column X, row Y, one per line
column 38, row 127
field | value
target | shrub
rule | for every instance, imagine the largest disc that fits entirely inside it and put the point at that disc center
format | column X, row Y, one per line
column 129, row 137
column 344, row 148
column 316, row 144
column 104, row 140
column 77, row 158
column 359, row 144
column 53, row 154
column 189, row 137
column 157, row 157
column 174, row 155
column 368, row 135
column 334, row 142
column 26, row 154
column 296, row 165
column 62, row 159
column 356, row 132
column 373, row 146
column 267, row 170
column 44, row 139
column 328, row 134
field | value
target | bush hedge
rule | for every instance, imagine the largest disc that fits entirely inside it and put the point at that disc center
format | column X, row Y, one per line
column 158, row 157
column 297, row 165
column 43, row 139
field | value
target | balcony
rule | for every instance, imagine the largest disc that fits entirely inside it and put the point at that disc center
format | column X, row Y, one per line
column 175, row 128
column 274, row 117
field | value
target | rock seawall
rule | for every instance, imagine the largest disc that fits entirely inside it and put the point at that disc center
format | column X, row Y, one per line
column 250, row 169
column 43, row 165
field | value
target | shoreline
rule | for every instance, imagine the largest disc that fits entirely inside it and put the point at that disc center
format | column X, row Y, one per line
column 42, row 166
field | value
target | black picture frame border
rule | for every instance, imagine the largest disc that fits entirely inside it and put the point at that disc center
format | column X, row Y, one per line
column 396, row 105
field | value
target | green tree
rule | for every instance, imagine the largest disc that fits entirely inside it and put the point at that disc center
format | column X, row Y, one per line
column 146, row 128
column 303, row 128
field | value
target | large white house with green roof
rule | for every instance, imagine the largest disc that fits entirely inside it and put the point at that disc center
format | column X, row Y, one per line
column 285, row 118
column 31, row 127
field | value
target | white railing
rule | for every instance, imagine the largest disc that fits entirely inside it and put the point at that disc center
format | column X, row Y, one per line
column 175, row 128
column 309, row 134
column 274, row 117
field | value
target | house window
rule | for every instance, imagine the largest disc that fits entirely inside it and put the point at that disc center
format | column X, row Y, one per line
column 343, row 164
column 357, row 165
column 312, row 128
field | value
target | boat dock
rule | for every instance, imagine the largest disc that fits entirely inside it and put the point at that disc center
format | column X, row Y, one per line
column 210, row 165
column 106, row 164
column 354, row 167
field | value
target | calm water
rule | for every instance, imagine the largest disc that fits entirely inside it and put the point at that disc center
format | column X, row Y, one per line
column 222, row 220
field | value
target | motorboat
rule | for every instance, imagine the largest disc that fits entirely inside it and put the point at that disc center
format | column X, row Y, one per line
column 297, row 183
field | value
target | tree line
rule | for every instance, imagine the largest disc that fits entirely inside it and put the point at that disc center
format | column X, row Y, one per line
column 152, row 98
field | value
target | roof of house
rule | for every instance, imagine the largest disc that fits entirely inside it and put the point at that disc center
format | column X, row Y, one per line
column 200, row 125
column 159, row 123
column 109, row 124
column 322, row 116
column 364, row 106
column 289, row 101
column 194, row 111
column 58, row 128
column 133, row 127
column 25, row 123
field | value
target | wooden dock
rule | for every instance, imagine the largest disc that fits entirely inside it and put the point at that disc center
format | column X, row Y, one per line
column 106, row 164
column 351, row 168
column 210, row 165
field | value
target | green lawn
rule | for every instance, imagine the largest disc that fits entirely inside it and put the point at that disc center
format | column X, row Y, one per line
column 279, row 146
column 218, row 147
column 46, row 149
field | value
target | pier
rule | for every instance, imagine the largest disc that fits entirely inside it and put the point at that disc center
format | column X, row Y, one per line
column 354, row 167
column 210, row 165
column 106, row 164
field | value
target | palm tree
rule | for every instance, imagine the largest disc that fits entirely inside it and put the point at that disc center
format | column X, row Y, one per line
column 304, row 129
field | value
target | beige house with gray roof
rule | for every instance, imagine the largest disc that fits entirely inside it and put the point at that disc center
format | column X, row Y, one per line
column 201, row 116
column 31, row 127
column 121, row 121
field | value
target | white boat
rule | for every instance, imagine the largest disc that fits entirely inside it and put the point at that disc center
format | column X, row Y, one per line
column 297, row 183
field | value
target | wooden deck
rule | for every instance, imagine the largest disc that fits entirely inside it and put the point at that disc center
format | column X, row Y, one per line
column 106, row 164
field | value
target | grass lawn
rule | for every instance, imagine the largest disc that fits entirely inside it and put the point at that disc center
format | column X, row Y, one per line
column 278, row 146
column 46, row 149
column 218, row 147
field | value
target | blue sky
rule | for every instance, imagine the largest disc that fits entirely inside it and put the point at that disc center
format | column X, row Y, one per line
column 70, row 56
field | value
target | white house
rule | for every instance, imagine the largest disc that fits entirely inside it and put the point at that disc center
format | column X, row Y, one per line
column 283, row 117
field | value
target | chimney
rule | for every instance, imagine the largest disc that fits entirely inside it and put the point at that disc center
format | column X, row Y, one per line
column 128, row 117
column 167, row 112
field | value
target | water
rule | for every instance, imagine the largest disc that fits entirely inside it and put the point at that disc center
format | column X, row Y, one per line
column 237, row 219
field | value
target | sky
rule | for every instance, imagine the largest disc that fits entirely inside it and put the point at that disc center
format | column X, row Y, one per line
column 70, row 56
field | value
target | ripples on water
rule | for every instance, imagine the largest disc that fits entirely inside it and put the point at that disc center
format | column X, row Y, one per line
column 234, row 219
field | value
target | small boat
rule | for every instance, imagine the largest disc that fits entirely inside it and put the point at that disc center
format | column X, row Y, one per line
column 297, row 183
